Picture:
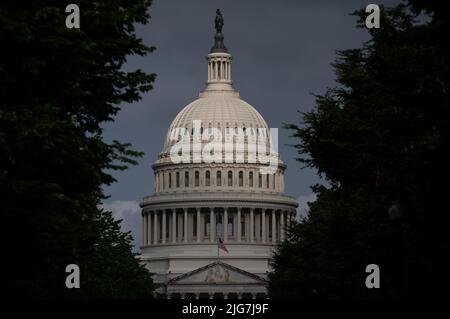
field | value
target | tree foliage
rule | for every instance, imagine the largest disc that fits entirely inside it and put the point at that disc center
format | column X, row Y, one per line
column 378, row 138
column 58, row 86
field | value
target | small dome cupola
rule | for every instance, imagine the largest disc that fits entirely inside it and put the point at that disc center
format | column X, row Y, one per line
column 219, row 59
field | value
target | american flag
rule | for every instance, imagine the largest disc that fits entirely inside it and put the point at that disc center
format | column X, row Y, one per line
column 222, row 245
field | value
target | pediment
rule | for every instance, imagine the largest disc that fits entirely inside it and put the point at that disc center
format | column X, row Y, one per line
column 217, row 273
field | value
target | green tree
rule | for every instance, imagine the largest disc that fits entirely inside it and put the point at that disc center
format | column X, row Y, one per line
column 378, row 138
column 58, row 86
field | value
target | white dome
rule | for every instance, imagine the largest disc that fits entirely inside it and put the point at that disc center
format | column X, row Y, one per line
column 217, row 108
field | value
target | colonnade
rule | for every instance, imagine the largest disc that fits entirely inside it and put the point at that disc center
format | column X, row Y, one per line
column 174, row 179
column 219, row 68
column 231, row 224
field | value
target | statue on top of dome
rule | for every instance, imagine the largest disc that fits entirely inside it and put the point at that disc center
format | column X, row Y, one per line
column 219, row 46
column 219, row 21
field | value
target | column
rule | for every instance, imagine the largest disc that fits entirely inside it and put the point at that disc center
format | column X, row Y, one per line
column 219, row 71
column 257, row 225
column 180, row 227
column 282, row 225
column 164, row 233
column 185, row 225
column 212, row 225
column 149, row 228
column 239, row 231
column 144, row 228
column 263, row 225
column 274, row 223
column 234, row 225
column 228, row 70
column 209, row 71
column 198, row 225
column 174, row 225
column 225, row 77
column 155, row 229
column 252, row 237
column 223, row 70
column 225, row 224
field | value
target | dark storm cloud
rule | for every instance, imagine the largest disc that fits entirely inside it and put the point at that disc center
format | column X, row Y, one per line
column 282, row 52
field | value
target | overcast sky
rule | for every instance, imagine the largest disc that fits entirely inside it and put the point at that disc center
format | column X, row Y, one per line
column 282, row 52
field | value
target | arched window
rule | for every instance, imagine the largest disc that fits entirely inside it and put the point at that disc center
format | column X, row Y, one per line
column 207, row 178
column 273, row 181
column 250, row 179
column 170, row 180
column 186, row 179
column 242, row 225
column 177, row 177
column 241, row 178
column 267, row 181
column 259, row 180
column 197, row 178
column 219, row 178
column 230, row 178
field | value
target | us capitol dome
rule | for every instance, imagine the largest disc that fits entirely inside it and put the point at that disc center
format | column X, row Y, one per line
column 234, row 201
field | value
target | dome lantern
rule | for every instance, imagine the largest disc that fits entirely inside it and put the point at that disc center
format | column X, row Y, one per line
column 219, row 60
